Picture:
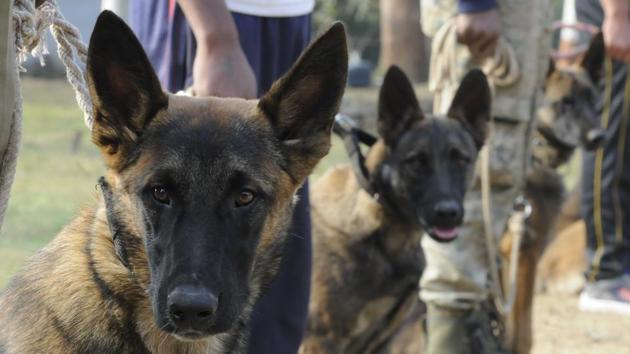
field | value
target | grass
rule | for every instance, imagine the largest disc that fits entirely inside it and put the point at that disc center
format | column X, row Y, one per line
column 51, row 183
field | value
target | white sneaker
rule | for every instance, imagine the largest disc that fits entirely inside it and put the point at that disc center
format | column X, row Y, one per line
column 609, row 295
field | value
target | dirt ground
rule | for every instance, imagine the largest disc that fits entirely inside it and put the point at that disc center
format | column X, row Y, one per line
column 560, row 328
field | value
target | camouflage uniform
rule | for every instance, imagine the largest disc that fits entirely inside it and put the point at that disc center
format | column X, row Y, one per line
column 456, row 277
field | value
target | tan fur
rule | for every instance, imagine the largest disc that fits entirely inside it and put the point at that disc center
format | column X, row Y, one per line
column 562, row 266
column 343, row 215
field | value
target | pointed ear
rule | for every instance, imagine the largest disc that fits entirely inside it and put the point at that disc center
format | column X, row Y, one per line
column 125, row 91
column 593, row 59
column 398, row 107
column 302, row 104
column 472, row 105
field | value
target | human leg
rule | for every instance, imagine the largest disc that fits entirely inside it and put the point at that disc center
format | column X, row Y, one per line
column 456, row 274
column 605, row 191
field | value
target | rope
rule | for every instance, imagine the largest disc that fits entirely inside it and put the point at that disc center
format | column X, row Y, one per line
column 502, row 68
column 30, row 25
column 516, row 227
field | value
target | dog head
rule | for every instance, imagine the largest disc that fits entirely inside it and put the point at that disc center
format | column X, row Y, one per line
column 567, row 117
column 202, row 189
column 428, row 163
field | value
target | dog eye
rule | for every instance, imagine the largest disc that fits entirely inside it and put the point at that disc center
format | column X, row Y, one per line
column 244, row 198
column 161, row 195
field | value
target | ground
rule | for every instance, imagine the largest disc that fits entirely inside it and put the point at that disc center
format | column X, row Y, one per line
column 57, row 173
column 559, row 328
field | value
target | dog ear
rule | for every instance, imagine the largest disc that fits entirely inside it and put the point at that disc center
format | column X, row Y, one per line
column 398, row 107
column 593, row 59
column 472, row 105
column 125, row 91
column 301, row 105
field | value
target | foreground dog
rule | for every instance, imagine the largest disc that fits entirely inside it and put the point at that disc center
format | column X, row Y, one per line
column 565, row 121
column 195, row 208
column 367, row 256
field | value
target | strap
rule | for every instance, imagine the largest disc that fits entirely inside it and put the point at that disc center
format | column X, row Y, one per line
column 352, row 136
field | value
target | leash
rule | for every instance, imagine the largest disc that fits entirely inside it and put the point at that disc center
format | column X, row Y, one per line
column 353, row 136
column 503, row 300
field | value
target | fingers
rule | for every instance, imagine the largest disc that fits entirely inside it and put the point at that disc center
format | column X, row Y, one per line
column 616, row 31
column 480, row 32
column 486, row 48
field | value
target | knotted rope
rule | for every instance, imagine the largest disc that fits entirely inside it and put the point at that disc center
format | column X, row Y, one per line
column 30, row 25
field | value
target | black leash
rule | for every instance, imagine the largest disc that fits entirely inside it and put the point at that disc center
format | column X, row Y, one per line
column 348, row 130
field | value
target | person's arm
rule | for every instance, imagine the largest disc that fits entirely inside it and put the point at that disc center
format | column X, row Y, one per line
column 220, row 67
column 616, row 28
column 478, row 26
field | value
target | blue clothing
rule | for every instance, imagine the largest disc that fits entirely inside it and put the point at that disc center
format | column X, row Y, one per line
column 468, row 6
column 271, row 46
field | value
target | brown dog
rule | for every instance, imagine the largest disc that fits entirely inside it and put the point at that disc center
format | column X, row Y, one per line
column 367, row 256
column 195, row 208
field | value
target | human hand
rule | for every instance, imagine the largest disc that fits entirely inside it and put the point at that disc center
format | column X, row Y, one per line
column 222, row 70
column 616, row 31
column 480, row 31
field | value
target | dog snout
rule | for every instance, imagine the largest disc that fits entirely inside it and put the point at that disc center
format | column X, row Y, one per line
column 447, row 213
column 191, row 307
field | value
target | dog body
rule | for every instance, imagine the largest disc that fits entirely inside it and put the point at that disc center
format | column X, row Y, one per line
column 367, row 255
column 193, row 215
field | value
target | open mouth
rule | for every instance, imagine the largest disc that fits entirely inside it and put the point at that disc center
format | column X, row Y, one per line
column 444, row 234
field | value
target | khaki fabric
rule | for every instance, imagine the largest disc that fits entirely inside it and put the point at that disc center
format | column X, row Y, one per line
column 457, row 273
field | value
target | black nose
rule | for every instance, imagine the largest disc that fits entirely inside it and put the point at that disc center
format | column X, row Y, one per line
column 191, row 307
column 447, row 212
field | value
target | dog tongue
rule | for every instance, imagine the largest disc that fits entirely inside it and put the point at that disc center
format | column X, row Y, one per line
column 445, row 233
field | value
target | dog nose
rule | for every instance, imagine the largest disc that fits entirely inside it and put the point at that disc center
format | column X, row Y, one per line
column 448, row 211
column 191, row 307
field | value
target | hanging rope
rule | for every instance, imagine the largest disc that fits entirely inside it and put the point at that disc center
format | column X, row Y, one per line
column 30, row 24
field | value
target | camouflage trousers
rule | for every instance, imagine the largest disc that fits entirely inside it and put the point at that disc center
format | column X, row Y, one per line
column 456, row 275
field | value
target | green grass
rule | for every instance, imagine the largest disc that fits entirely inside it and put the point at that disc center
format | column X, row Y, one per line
column 51, row 182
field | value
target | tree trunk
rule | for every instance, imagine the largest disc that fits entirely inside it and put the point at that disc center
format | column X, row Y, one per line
column 402, row 41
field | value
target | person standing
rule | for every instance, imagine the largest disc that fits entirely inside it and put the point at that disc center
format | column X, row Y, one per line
column 507, row 39
column 606, row 171
column 238, row 48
